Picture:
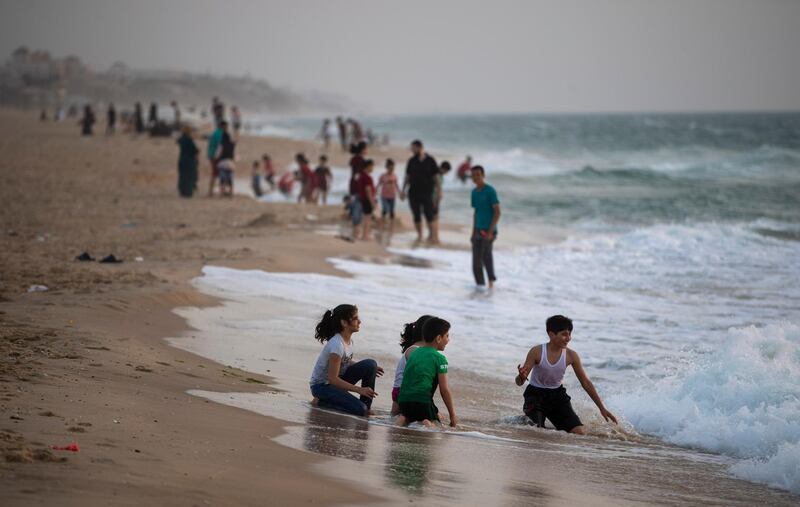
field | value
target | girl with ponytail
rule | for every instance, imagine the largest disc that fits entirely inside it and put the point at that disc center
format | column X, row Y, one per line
column 335, row 375
column 411, row 338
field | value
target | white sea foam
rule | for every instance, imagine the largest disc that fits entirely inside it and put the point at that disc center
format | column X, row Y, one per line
column 741, row 399
column 651, row 306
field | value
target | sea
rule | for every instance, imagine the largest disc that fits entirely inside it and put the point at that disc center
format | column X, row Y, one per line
column 671, row 240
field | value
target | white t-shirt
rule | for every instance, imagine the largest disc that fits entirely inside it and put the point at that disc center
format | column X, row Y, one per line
column 335, row 345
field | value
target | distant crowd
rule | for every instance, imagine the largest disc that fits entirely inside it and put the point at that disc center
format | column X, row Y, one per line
column 421, row 185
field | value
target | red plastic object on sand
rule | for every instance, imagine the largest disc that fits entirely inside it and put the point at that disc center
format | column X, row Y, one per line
column 71, row 447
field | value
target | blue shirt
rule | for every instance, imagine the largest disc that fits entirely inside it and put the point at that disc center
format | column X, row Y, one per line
column 483, row 201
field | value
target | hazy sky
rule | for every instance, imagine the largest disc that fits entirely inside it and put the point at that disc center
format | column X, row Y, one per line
column 442, row 56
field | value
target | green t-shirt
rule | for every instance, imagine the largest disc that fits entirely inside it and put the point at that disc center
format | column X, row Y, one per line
column 421, row 376
column 483, row 201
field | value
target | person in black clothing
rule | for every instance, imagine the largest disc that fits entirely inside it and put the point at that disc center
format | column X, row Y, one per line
column 138, row 120
column 152, row 117
column 87, row 121
column 217, row 111
column 342, row 132
column 111, row 118
column 420, row 184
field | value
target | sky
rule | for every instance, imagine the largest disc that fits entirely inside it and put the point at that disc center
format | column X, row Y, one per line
column 449, row 56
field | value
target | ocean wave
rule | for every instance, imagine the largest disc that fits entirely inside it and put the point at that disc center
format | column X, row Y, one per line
column 687, row 161
column 742, row 399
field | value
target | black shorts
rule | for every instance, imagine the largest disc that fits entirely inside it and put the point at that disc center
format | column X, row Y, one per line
column 415, row 411
column 553, row 404
column 421, row 205
column 366, row 206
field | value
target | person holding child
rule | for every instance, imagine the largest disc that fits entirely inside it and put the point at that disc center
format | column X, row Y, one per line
column 545, row 396
column 335, row 374
column 426, row 370
column 226, row 161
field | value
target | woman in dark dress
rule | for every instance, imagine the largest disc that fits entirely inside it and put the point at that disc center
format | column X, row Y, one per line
column 137, row 118
column 187, row 163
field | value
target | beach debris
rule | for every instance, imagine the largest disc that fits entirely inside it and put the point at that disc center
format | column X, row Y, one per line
column 311, row 217
column 129, row 225
column 116, row 421
column 110, row 259
column 73, row 447
column 38, row 288
column 11, row 232
column 84, row 257
column 139, row 259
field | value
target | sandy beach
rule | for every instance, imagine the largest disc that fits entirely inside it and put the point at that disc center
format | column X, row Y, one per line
column 86, row 361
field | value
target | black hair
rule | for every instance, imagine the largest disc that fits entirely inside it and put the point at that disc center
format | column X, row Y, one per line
column 255, row 163
column 558, row 323
column 416, row 142
column 389, row 162
column 412, row 332
column 323, row 157
column 445, row 166
column 434, row 327
column 369, row 162
column 479, row 168
column 331, row 322
column 265, row 156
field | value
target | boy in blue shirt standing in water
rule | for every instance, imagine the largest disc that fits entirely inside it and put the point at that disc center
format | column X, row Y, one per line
column 484, row 230
column 546, row 364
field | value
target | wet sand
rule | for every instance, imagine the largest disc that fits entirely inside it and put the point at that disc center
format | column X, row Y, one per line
column 86, row 361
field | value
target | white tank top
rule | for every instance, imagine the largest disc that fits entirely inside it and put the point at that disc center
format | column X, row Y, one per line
column 546, row 375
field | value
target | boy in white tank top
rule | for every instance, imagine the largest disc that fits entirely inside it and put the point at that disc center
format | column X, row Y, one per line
column 546, row 364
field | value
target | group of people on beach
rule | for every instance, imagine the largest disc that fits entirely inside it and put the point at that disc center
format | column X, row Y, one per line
column 423, row 368
column 350, row 132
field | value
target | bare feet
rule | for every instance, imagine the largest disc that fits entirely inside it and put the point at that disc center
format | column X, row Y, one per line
column 315, row 402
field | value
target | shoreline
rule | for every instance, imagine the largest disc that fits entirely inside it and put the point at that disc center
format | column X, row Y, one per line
column 87, row 361
column 91, row 352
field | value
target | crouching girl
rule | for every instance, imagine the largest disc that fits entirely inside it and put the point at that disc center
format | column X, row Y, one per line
column 335, row 375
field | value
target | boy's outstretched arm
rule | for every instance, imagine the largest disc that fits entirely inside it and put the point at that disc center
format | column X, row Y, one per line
column 444, row 389
column 589, row 387
column 525, row 369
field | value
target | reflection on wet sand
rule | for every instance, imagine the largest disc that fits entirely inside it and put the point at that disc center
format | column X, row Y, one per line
column 399, row 259
column 336, row 435
column 409, row 459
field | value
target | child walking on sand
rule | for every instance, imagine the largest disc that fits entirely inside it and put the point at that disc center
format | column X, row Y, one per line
column 410, row 340
column 365, row 194
column 335, row 375
column 324, row 177
column 389, row 188
column 426, row 370
column 545, row 397
column 255, row 179
column 269, row 171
